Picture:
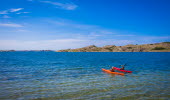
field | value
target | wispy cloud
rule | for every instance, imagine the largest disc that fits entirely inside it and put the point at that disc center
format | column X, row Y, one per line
column 21, row 30
column 124, row 35
column 4, row 12
column 12, row 10
column 79, row 30
column 15, row 10
column 5, row 16
column 22, row 12
column 10, row 25
column 66, row 6
column 69, row 23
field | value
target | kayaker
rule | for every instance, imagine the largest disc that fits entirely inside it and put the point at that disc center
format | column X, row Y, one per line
column 123, row 67
column 112, row 69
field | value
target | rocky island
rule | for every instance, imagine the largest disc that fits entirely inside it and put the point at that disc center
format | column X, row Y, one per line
column 156, row 47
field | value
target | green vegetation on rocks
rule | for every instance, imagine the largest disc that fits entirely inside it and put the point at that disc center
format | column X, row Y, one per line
column 166, row 42
column 158, row 48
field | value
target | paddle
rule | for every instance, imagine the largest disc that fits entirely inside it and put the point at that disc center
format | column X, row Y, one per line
column 123, row 65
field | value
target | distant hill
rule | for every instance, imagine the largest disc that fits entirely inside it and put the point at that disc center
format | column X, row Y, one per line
column 156, row 47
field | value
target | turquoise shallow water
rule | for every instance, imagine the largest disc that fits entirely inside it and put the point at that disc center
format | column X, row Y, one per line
column 78, row 76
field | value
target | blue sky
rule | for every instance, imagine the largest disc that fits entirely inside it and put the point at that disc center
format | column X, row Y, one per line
column 63, row 24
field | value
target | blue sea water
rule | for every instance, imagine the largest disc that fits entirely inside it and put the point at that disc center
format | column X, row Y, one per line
column 78, row 76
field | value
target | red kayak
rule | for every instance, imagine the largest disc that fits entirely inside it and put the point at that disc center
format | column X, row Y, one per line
column 122, row 70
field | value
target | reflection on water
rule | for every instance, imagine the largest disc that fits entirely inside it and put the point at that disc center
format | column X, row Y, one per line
column 70, row 76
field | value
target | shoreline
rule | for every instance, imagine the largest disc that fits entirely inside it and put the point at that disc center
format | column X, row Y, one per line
column 156, row 47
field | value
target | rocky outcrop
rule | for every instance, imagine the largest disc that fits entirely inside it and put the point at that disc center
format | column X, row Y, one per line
column 7, row 50
column 157, row 47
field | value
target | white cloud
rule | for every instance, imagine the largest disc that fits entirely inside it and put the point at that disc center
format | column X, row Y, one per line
column 12, row 10
column 10, row 25
column 66, row 6
column 15, row 10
